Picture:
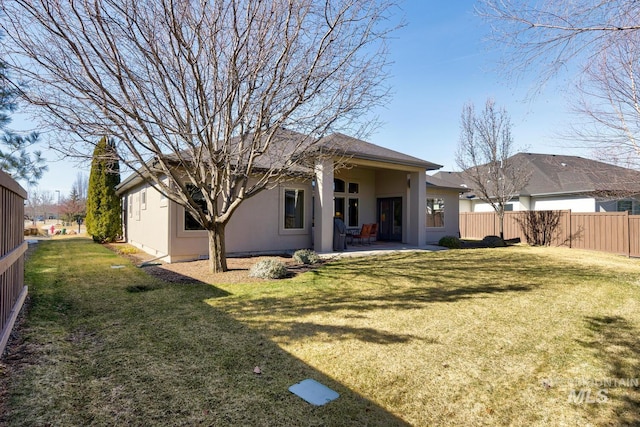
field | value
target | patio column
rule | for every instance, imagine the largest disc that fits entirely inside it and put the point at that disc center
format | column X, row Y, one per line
column 417, row 229
column 323, row 221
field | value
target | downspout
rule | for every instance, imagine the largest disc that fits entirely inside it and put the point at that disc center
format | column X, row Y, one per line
column 148, row 262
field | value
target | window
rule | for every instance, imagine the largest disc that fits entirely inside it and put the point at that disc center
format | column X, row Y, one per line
column 353, row 212
column 143, row 199
column 435, row 212
column 625, row 205
column 338, row 207
column 293, row 209
column 130, row 200
column 347, row 210
column 630, row 205
column 190, row 223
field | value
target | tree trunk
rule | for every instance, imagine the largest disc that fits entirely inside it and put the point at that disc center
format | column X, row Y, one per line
column 501, row 224
column 217, row 252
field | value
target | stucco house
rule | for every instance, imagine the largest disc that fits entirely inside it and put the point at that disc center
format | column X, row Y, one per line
column 364, row 184
column 559, row 182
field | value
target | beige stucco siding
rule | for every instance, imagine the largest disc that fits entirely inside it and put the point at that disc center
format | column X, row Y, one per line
column 451, row 214
column 575, row 204
column 147, row 219
column 256, row 226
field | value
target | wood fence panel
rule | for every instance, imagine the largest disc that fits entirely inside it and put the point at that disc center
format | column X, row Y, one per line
column 634, row 235
column 12, row 249
column 476, row 225
column 512, row 229
column 601, row 231
column 614, row 232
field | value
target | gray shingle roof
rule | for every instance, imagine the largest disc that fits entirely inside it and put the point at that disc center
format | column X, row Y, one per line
column 561, row 174
column 360, row 149
column 291, row 144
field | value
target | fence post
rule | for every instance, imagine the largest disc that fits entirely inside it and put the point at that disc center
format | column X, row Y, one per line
column 12, row 249
column 628, row 235
column 570, row 229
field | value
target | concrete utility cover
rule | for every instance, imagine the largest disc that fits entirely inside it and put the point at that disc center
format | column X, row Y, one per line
column 313, row 392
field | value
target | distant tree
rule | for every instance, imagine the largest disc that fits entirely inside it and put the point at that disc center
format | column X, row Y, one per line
column 39, row 203
column 103, row 220
column 81, row 186
column 597, row 40
column 14, row 157
column 73, row 207
column 484, row 154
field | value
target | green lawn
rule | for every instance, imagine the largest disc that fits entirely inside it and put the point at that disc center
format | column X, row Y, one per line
column 515, row 336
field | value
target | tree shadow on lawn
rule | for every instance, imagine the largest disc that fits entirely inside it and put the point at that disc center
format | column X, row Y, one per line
column 208, row 380
column 616, row 343
column 142, row 352
column 400, row 282
column 492, row 267
column 292, row 331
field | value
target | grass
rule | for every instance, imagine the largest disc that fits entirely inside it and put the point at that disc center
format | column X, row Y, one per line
column 482, row 337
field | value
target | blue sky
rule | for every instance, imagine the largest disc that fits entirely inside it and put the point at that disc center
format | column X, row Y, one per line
column 440, row 62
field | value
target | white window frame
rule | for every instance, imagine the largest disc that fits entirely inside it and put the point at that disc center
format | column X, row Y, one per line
column 143, row 199
column 282, row 211
column 434, row 199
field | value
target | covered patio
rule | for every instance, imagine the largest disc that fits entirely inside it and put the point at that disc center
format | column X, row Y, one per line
column 380, row 248
column 368, row 184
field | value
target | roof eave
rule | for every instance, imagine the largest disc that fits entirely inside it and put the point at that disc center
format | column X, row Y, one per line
column 415, row 164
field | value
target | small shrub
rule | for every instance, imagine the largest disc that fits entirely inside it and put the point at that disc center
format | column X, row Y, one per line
column 268, row 269
column 450, row 242
column 494, row 242
column 128, row 250
column 306, row 256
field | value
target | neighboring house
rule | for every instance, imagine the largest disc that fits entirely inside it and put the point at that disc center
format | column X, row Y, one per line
column 364, row 184
column 560, row 182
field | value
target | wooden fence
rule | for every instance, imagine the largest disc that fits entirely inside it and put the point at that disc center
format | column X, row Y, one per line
column 615, row 232
column 12, row 248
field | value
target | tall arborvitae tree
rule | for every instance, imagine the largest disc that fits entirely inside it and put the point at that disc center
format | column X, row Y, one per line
column 103, row 220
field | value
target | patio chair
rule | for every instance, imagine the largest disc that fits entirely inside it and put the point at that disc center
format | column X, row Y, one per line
column 373, row 232
column 365, row 233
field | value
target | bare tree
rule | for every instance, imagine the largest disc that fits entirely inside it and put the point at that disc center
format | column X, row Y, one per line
column 197, row 93
column 74, row 207
column 597, row 40
column 540, row 228
column 80, row 187
column 484, row 155
column 39, row 203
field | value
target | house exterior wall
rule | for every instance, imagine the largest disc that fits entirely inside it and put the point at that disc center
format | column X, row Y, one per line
column 465, row 205
column 257, row 226
column 577, row 204
column 147, row 220
column 451, row 214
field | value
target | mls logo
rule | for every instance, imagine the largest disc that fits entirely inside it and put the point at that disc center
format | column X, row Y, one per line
column 582, row 396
